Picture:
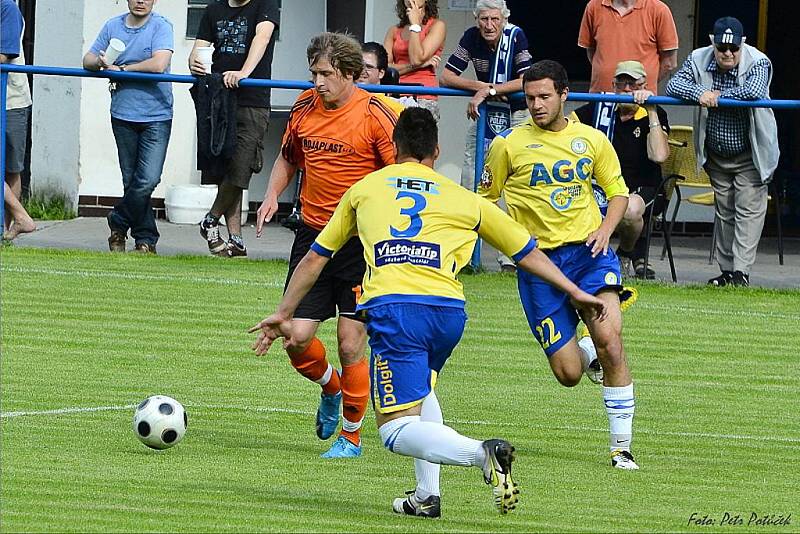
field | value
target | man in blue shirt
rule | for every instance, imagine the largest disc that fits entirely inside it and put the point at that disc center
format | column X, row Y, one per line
column 737, row 146
column 141, row 117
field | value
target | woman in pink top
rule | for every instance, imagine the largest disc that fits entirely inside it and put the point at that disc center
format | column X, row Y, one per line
column 415, row 46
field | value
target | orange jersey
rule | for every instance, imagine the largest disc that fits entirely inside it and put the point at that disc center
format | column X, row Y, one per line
column 336, row 148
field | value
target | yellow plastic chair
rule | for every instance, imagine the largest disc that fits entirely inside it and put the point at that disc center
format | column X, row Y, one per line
column 684, row 166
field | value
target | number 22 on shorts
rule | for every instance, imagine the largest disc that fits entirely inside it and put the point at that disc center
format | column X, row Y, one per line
column 547, row 333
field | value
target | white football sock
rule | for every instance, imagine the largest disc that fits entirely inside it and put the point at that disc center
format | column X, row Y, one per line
column 438, row 444
column 620, row 404
column 587, row 351
column 427, row 474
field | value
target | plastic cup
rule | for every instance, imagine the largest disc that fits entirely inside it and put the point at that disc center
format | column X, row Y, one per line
column 115, row 48
column 204, row 54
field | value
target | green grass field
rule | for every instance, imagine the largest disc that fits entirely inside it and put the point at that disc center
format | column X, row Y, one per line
column 86, row 336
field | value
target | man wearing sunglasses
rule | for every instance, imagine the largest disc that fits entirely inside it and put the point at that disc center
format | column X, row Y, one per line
column 737, row 146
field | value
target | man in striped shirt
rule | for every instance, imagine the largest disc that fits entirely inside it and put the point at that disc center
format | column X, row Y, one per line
column 737, row 146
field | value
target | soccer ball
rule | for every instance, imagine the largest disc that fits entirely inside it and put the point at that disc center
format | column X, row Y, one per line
column 159, row 422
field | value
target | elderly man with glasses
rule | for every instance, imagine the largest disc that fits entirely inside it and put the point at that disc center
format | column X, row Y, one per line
column 638, row 133
column 736, row 146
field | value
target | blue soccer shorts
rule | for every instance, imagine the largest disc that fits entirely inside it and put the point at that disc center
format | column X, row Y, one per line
column 410, row 344
column 551, row 316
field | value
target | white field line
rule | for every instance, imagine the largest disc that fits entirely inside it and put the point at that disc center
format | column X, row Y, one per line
column 146, row 277
column 267, row 409
column 167, row 277
column 712, row 311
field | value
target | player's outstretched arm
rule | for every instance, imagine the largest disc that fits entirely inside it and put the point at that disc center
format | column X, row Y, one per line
column 537, row 263
column 279, row 323
column 279, row 178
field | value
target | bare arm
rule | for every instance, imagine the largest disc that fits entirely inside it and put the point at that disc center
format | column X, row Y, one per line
column 482, row 94
column 449, row 78
column 257, row 47
column 388, row 44
column 590, row 54
column 279, row 323
column 422, row 50
column 537, row 263
column 92, row 61
column 157, row 64
column 261, row 39
column 282, row 173
column 657, row 140
column 667, row 62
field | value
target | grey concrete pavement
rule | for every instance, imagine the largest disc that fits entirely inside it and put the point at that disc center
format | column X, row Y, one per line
column 691, row 253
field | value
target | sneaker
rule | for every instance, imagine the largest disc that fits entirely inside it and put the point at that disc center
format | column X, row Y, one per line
column 328, row 414
column 430, row 507
column 210, row 233
column 232, row 250
column 623, row 460
column 508, row 268
column 497, row 473
column 627, row 297
column 643, row 271
column 116, row 241
column 726, row 278
column 740, row 279
column 593, row 371
column 343, row 448
column 145, row 248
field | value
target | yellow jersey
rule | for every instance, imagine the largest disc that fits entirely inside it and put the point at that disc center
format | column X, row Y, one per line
column 546, row 178
column 418, row 229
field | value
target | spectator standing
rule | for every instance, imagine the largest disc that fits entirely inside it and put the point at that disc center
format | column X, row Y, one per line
column 639, row 134
column 18, row 112
column 337, row 134
column 241, row 32
column 141, row 117
column 415, row 45
column 737, row 146
column 499, row 54
column 619, row 30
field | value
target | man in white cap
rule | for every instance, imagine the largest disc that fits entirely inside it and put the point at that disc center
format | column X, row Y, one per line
column 736, row 146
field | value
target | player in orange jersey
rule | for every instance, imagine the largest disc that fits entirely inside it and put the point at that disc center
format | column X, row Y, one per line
column 337, row 134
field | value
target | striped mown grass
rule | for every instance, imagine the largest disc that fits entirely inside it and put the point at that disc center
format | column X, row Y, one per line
column 86, row 336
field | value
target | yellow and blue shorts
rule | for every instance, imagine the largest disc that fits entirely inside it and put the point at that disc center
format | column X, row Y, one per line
column 410, row 344
column 550, row 314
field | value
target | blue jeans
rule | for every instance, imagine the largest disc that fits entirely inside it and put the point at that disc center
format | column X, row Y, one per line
column 142, row 149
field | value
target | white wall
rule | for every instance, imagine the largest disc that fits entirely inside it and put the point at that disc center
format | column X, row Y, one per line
column 56, row 115
column 73, row 148
column 72, row 145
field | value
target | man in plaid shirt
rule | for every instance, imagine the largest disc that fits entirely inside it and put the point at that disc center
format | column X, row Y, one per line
column 736, row 146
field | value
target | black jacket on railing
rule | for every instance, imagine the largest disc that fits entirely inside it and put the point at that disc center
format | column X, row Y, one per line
column 215, row 106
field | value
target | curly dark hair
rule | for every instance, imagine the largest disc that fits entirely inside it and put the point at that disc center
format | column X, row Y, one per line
column 431, row 12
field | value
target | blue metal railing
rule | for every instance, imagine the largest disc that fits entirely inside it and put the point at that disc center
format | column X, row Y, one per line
column 295, row 84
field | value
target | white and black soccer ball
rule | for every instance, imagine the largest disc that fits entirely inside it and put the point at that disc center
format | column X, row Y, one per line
column 159, row 422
